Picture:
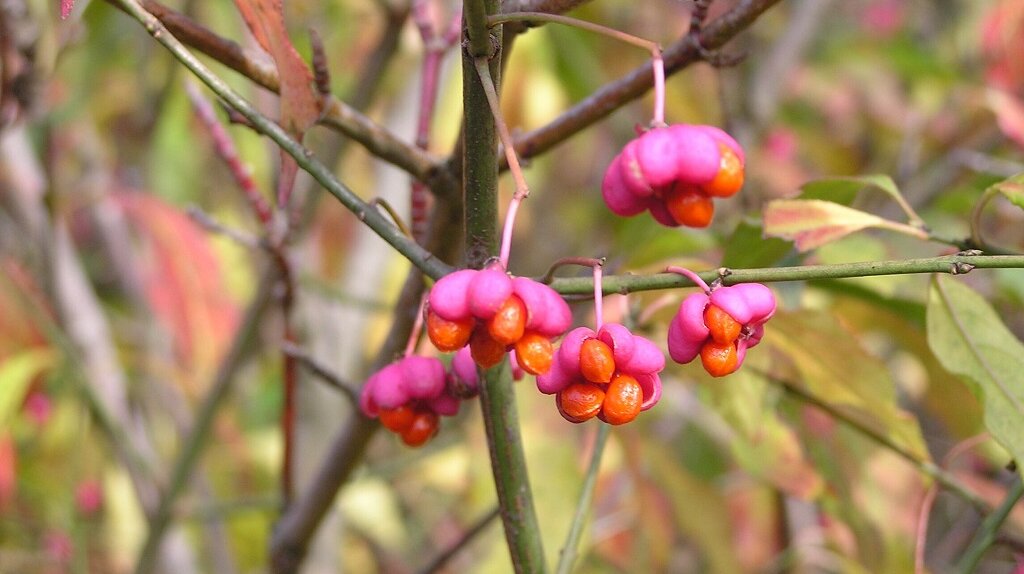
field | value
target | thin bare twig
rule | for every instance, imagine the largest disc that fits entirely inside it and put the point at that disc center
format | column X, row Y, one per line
column 321, row 371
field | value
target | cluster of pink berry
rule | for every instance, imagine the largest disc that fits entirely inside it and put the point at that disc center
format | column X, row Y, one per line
column 611, row 374
column 494, row 313
column 410, row 396
column 720, row 326
column 674, row 172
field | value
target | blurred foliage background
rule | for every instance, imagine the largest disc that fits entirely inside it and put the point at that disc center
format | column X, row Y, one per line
column 735, row 475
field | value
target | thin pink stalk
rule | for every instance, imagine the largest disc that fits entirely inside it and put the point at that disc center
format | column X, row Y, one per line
column 522, row 189
column 657, row 63
column 598, row 297
column 689, row 275
column 417, row 328
column 225, row 148
column 435, row 47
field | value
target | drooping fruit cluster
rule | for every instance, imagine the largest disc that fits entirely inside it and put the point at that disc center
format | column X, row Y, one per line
column 674, row 172
column 611, row 374
column 410, row 396
column 494, row 313
column 720, row 326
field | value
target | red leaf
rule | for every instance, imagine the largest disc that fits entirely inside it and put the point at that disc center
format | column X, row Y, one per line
column 65, row 8
column 183, row 283
column 1009, row 114
column 300, row 104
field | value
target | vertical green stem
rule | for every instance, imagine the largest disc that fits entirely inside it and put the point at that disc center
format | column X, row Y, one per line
column 986, row 534
column 572, row 541
column 497, row 397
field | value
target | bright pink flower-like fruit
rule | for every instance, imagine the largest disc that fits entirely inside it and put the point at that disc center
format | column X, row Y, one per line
column 410, row 396
column 494, row 313
column 720, row 326
column 674, row 172
column 611, row 374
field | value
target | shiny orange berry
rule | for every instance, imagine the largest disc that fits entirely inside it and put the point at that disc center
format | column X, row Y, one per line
column 485, row 351
column 622, row 400
column 724, row 329
column 689, row 206
column 424, row 426
column 579, row 401
column 597, row 364
column 448, row 336
column 397, row 419
column 729, row 178
column 508, row 324
column 534, row 353
column 718, row 360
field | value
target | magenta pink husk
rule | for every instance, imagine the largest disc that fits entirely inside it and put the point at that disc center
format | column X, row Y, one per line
column 646, row 358
column 388, row 389
column 681, row 347
column 449, row 297
column 555, row 379
column 488, row 291
column 445, row 405
column 569, row 353
column 631, row 173
column 422, row 377
column 650, row 384
column 617, row 196
column 620, row 339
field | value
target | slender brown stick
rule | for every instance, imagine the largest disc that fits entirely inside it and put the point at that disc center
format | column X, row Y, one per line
column 321, row 371
column 479, row 526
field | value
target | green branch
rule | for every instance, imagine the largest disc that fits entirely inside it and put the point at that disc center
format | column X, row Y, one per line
column 572, row 541
column 954, row 264
column 986, row 534
column 420, row 257
column 497, row 395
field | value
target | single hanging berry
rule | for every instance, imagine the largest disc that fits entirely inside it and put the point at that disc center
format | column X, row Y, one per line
column 674, row 172
column 720, row 326
column 610, row 374
column 493, row 314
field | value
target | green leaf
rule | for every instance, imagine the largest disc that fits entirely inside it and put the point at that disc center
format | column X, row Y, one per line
column 16, row 374
column 969, row 339
column 811, row 223
column 748, row 248
column 843, row 190
column 834, row 368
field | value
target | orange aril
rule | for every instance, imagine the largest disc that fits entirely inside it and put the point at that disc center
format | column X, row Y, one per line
column 579, row 401
column 508, row 324
column 597, row 364
column 718, row 360
column 534, row 353
column 448, row 336
column 689, row 206
column 622, row 400
column 397, row 419
column 424, row 426
column 485, row 350
column 724, row 329
column 729, row 178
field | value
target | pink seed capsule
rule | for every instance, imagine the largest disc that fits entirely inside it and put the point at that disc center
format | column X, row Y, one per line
column 449, row 297
column 620, row 339
column 569, row 353
column 423, row 377
column 389, row 390
column 488, row 291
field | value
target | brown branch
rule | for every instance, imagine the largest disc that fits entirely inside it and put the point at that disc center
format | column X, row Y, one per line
column 635, row 84
column 337, row 116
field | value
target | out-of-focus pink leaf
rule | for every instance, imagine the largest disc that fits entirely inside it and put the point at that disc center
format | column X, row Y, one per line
column 1009, row 114
column 19, row 326
column 811, row 223
column 1002, row 43
column 300, row 104
column 8, row 470
column 183, row 282
column 65, row 8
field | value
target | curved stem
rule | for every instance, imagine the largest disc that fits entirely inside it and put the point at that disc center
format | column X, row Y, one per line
column 689, row 275
column 572, row 541
column 581, row 261
column 953, row 264
column 986, row 535
column 658, row 67
column 598, row 297
column 522, row 189
column 417, row 327
column 976, row 238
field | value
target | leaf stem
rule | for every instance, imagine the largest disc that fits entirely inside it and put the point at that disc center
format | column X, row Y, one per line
column 986, row 534
column 953, row 264
column 568, row 554
column 479, row 526
column 657, row 62
column 691, row 276
column 598, row 297
column 522, row 189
